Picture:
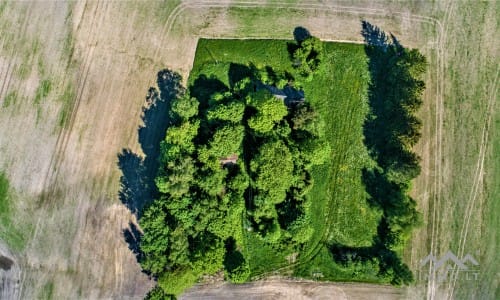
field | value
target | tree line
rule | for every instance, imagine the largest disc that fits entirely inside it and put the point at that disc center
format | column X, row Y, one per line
column 391, row 130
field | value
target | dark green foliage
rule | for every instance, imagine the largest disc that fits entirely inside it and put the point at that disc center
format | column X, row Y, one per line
column 237, row 269
column 155, row 240
column 4, row 194
column 157, row 293
column 307, row 56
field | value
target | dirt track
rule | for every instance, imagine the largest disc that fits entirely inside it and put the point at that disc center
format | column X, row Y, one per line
column 290, row 289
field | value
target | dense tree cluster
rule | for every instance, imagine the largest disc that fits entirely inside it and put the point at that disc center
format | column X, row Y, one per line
column 307, row 56
column 236, row 154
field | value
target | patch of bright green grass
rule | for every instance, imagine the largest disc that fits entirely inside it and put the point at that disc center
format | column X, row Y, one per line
column 9, row 233
column 31, row 50
column 43, row 90
column 66, row 99
column 47, row 292
column 10, row 99
column 339, row 210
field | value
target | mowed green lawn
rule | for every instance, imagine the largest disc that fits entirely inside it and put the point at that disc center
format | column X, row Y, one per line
column 339, row 210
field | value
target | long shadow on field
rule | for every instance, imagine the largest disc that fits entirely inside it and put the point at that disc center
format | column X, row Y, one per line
column 390, row 130
column 137, row 182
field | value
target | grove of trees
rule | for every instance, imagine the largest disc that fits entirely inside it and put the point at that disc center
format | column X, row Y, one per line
column 236, row 160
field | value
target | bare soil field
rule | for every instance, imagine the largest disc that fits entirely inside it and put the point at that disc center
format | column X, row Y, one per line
column 293, row 289
column 73, row 81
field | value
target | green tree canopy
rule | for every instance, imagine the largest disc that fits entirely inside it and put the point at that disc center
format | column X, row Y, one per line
column 308, row 56
column 273, row 158
column 270, row 111
column 185, row 107
column 232, row 112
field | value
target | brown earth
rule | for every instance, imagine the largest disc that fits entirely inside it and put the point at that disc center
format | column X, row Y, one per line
column 293, row 289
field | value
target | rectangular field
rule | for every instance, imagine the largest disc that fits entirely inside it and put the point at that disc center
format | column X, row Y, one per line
column 339, row 210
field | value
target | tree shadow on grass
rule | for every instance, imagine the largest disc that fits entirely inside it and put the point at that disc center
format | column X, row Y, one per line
column 137, row 183
column 386, row 191
column 237, row 72
column 204, row 87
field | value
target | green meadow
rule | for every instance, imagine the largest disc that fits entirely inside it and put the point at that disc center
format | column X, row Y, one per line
column 338, row 208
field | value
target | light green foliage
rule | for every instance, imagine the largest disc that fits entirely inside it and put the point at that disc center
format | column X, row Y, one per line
column 273, row 158
column 177, row 281
column 47, row 292
column 4, row 195
column 308, row 56
column 182, row 136
column 266, row 201
column 338, row 96
column 300, row 230
column 212, row 182
column 10, row 231
column 226, row 140
column 238, row 183
column 315, row 151
column 232, row 112
column 179, row 247
column 185, row 107
column 67, row 99
column 157, row 293
column 10, row 99
column 155, row 239
column 210, row 259
column 240, row 274
column 43, row 90
column 269, row 111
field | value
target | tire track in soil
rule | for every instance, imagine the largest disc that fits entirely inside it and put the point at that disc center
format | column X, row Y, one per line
column 13, row 66
column 431, row 279
column 65, row 133
column 478, row 177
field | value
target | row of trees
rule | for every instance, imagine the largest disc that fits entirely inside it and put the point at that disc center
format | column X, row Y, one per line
column 391, row 130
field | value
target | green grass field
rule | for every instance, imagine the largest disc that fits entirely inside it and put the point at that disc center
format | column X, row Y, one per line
column 339, row 211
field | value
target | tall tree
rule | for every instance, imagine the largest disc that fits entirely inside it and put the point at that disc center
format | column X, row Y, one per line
column 270, row 111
